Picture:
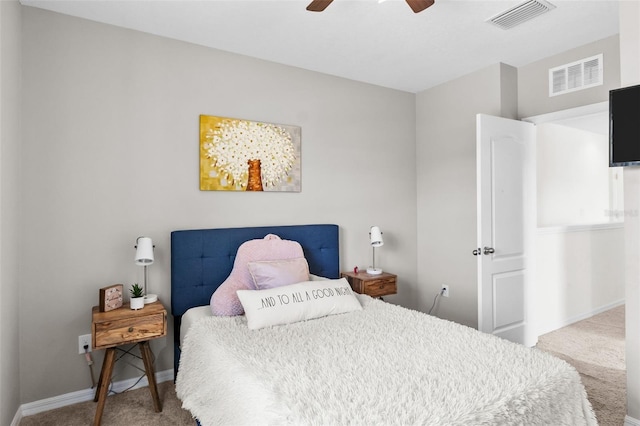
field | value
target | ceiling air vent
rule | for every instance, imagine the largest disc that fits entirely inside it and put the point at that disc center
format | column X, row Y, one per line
column 575, row 76
column 520, row 13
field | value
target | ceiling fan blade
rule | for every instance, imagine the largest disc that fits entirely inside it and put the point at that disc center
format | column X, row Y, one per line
column 419, row 5
column 318, row 5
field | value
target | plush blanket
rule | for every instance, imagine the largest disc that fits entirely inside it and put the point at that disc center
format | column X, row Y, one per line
column 384, row 365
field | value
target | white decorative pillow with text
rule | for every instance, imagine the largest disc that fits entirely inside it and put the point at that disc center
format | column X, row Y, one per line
column 297, row 302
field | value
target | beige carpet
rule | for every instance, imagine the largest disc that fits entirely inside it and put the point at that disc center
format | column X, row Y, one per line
column 126, row 409
column 595, row 347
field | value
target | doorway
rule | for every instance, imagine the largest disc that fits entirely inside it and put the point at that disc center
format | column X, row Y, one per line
column 580, row 239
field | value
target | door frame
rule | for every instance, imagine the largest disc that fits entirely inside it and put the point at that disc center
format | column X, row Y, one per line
column 559, row 117
column 568, row 113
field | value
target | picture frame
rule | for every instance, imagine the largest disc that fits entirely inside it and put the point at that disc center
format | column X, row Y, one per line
column 111, row 297
column 243, row 155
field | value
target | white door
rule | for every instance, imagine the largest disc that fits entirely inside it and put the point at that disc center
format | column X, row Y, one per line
column 506, row 227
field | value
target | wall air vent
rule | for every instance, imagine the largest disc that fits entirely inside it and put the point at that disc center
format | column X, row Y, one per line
column 575, row 76
column 520, row 13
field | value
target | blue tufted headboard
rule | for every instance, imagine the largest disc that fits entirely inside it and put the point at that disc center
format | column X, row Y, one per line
column 202, row 259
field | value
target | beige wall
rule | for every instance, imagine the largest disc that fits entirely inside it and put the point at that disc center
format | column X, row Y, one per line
column 10, row 44
column 110, row 152
column 533, row 79
column 579, row 272
column 446, row 175
column 572, row 176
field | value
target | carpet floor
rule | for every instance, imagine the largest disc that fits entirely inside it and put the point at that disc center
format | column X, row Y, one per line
column 595, row 347
column 132, row 408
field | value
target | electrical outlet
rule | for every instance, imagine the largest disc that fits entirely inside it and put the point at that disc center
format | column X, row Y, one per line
column 445, row 290
column 83, row 340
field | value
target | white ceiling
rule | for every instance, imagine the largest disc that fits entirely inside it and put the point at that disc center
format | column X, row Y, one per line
column 384, row 44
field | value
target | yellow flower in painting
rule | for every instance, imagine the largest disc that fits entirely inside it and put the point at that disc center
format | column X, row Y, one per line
column 231, row 144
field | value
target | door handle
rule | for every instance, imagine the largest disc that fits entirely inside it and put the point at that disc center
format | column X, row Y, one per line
column 489, row 250
column 477, row 252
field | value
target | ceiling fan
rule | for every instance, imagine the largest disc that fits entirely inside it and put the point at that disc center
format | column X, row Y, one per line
column 415, row 5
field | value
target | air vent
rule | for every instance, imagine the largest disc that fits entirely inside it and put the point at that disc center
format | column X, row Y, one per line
column 521, row 13
column 575, row 76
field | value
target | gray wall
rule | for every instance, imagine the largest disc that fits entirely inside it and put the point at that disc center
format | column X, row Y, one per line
column 110, row 152
column 446, row 179
column 533, row 79
column 9, row 195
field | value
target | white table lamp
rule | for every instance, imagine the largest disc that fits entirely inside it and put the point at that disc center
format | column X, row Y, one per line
column 375, row 236
column 144, row 257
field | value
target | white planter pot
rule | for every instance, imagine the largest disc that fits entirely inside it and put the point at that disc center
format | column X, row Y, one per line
column 137, row 303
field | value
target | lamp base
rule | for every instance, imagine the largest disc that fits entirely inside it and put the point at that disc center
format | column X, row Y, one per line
column 374, row 271
column 150, row 298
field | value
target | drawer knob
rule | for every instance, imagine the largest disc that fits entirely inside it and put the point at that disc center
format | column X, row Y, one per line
column 130, row 329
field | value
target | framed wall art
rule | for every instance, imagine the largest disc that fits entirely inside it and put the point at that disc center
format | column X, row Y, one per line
column 243, row 155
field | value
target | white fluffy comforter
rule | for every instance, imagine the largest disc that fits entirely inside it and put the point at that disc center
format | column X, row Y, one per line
column 384, row 365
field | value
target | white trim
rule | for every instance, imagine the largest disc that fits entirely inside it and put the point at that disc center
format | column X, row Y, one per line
column 569, row 113
column 569, row 321
column 579, row 228
column 47, row 404
column 16, row 418
column 630, row 421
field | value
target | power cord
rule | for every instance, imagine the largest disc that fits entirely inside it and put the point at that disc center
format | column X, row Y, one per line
column 112, row 392
column 125, row 352
column 435, row 299
column 87, row 356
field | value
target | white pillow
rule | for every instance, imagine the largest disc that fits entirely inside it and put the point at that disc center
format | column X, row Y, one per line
column 297, row 302
column 276, row 273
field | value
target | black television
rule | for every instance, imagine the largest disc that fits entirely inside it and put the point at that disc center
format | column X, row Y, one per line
column 624, row 126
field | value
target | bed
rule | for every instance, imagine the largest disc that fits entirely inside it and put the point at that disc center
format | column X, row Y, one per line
column 378, row 365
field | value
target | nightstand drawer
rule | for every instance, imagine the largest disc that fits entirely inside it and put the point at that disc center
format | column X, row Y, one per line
column 129, row 330
column 378, row 288
column 373, row 285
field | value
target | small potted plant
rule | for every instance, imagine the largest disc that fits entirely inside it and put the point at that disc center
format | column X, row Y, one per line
column 137, row 298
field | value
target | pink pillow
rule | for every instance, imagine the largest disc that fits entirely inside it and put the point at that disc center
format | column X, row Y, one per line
column 224, row 301
column 276, row 273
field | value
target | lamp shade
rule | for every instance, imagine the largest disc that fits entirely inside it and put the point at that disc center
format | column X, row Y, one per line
column 376, row 236
column 144, row 251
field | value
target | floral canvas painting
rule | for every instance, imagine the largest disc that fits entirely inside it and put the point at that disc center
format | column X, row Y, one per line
column 243, row 155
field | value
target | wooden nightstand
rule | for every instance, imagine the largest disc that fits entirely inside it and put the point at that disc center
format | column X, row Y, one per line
column 124, row 326
column 374, row 285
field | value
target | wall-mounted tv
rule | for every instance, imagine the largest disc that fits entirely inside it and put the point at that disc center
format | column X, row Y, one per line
column 624, row 126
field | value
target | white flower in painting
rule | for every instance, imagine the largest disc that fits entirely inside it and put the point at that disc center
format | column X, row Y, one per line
column 234, row 142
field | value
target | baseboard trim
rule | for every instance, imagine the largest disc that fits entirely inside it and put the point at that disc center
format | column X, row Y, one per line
column 630, row 421
column 16, row 418
column 47, row 404
column 581, row 317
